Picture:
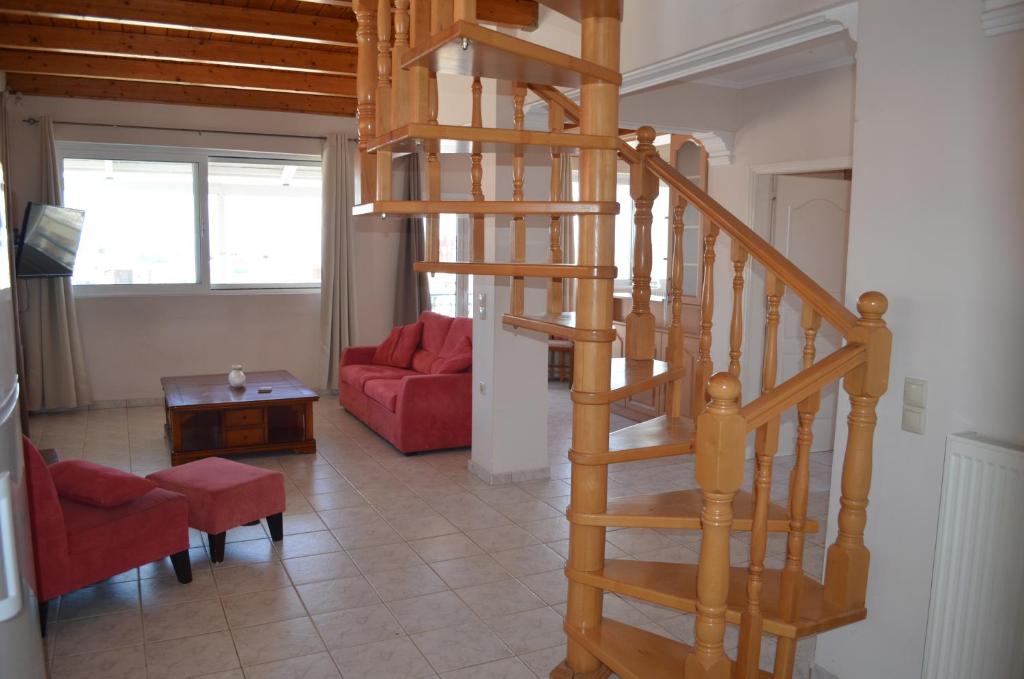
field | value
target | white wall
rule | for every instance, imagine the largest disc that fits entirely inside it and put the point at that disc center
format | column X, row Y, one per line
column 130, row 342
column 936, row 224
column 800, row 120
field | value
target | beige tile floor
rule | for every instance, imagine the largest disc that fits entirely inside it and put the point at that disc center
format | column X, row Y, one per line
column 391, row 566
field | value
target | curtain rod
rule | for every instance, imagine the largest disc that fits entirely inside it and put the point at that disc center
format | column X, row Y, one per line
column 35, row 121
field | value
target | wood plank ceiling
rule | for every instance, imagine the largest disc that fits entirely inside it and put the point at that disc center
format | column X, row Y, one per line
column 285, row 55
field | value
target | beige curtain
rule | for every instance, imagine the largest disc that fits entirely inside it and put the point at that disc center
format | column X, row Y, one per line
column 337, row 289
column 568, row 238
column 56, row 377
column 412, row 289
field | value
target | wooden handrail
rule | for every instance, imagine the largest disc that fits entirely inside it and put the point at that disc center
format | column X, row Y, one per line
column 803, row 384
column 799, row 282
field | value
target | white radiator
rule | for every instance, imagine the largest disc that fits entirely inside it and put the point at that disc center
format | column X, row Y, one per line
column 976, row 615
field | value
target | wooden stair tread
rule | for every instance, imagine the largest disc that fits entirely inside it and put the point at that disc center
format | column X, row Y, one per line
column 518, row 269
column 681, row 509
column 491, row 54
column 405, row 139
column 484, row 207
column 629, row 377
column 560, row 325
column 675, row 585
column 660, row 436
column 631, row 652
column 570, row 8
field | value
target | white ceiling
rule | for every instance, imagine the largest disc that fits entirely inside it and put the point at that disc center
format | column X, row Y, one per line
column 821, row 54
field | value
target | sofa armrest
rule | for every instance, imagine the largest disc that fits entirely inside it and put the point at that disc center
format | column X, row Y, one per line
column 357, row 355
column 436, row 396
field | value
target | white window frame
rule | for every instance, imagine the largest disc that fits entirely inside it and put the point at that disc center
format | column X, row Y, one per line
column 199, row 158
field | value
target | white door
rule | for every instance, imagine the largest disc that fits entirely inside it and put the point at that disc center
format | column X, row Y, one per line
column 809, row 226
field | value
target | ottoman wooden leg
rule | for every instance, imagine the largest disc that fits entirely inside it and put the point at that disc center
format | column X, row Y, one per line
column 182, row 566
column 216, row 546
column 275, row 522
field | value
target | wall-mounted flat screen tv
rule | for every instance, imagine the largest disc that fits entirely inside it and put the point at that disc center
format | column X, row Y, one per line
column 49, row 240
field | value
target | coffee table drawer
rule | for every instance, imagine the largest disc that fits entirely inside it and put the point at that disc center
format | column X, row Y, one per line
column 243, row 418
column 247, row 436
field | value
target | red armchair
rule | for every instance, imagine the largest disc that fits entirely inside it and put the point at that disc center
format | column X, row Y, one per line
column 77, row 544
column 425, row 402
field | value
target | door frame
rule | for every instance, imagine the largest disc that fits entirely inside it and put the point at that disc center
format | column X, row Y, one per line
column 753, row 351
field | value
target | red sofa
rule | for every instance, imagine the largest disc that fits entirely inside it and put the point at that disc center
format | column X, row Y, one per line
column 423, row 404
column 75, row 544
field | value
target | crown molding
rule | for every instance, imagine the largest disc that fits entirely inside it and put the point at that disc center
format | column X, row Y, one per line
column 775, row 77
column 1001, row 16
column 692, row 64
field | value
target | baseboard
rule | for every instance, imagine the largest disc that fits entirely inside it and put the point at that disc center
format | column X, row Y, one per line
column 508, row 477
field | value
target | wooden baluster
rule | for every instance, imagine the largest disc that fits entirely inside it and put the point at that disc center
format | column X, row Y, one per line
column 676, row 356
column 799, row 480
column 766, row 444
column 419, row 76
column 707, row 311
column 400, row 76
column 739, row 263
column 433, row 244
column 643, row 187
column 720, row 443
column 465, row 10
column 477, row 172
column 518, row 177
column 556, row 123
column 384, row 191
column 846, row 565
column 366, row 91
column 599, row 30
column 441, row 14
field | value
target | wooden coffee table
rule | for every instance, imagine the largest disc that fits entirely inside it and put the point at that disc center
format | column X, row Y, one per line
column 206, row 417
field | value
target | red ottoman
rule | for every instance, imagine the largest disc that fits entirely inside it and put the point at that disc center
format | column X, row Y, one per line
column 223, row 494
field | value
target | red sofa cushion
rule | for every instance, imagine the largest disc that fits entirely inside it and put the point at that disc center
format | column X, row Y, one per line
column 398, row 348
column 96, row 485
column 384, row 392
column 460, row 360
column 423, row 360
column 223, row 494
column 435, row 331
column 359, row 374
column 125, row 527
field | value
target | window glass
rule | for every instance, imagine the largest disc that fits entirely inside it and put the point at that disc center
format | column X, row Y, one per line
column 265, row 223
column 140, row 221
column 444, row 293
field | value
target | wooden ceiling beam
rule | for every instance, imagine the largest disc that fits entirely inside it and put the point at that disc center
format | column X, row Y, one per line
column 122, row 90
column 142, row 70
column 195, row 16
column 195, row 50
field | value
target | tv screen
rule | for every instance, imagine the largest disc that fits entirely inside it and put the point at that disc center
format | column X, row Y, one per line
column 49, row 240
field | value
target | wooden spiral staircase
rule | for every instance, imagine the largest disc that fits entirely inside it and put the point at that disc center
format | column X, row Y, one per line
column 402, row 45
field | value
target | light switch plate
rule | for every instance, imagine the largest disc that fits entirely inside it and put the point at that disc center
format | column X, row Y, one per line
column 913, row 420
column 481, row 305
column 915, row 393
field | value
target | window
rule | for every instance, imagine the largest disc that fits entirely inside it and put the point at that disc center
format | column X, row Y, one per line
column 452, row 294
column 169, row 219
column 140, row 220
column 264, row 222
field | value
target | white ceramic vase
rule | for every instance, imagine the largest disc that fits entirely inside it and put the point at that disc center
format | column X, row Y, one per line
column 236, row 378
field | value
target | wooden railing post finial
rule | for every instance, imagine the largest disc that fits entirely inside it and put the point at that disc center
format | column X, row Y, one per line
column 720, row 442
column 846, row 566
column 643, row 187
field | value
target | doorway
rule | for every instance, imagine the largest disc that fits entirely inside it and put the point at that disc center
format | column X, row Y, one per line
column 803, row 213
